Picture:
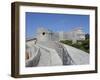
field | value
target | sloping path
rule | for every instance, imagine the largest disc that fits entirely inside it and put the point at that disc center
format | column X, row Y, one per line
column 49, row 57
column 49, row 54
column 78, row 56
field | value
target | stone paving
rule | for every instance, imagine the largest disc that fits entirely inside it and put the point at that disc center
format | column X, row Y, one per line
column 54, row 53
column 78, row 56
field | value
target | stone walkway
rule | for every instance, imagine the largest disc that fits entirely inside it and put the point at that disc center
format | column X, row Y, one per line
column 78, row 56
column 49, row 57
column 52, row 54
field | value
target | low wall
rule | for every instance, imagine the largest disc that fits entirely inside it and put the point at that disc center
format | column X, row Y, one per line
column 33, row 61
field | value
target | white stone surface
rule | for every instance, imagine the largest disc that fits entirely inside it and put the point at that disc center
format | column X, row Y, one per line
column 54, row 53
column 49, row 57
column 74, row 35
column 78, row 56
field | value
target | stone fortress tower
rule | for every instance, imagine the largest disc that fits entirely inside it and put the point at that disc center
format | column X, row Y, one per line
column 44, row 34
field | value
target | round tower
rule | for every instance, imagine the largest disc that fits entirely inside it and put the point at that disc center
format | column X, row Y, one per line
column 43, row 34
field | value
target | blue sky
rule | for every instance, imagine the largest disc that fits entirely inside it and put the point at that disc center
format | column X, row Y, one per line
column 55, row 22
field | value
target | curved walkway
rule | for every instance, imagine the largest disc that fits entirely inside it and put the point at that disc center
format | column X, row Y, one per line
column 51, row 54
column 78, row 56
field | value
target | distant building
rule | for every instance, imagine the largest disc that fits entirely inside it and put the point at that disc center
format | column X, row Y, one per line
column 44, row 34
column 74, row 35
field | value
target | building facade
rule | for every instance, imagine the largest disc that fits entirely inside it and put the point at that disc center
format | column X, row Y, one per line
column 74, row 35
